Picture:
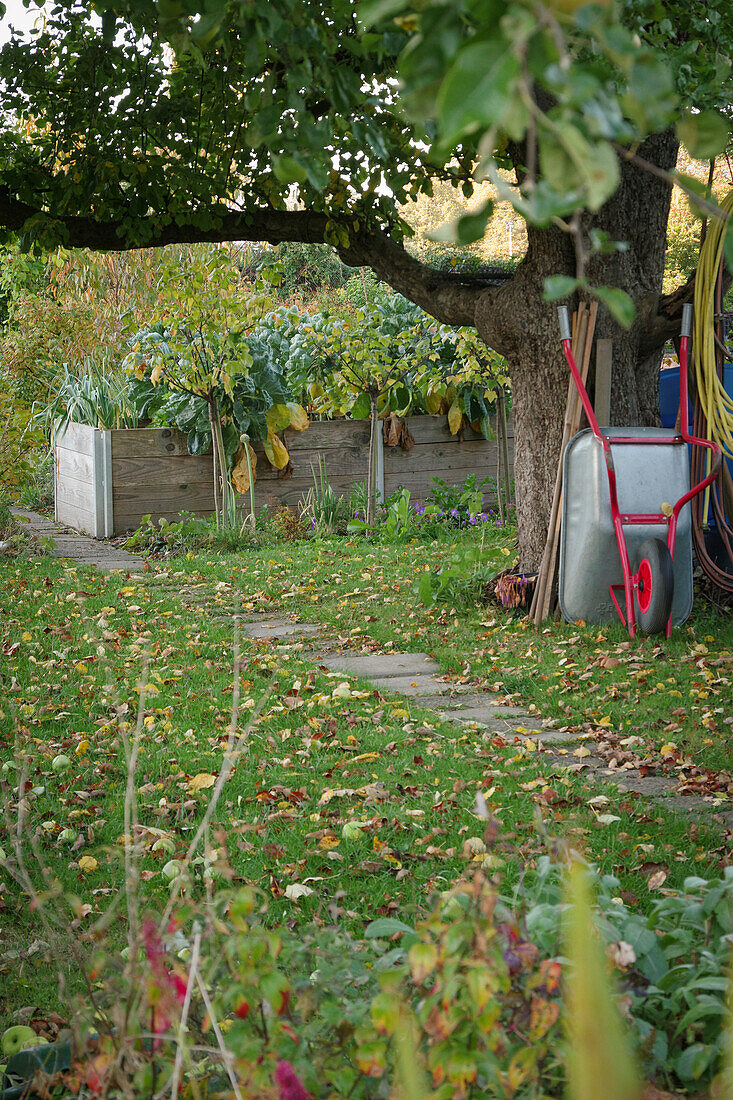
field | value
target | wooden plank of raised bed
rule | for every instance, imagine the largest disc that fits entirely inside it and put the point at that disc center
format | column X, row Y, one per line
column 144, row 442
column 329, row 433
column 129, row 521
column 338, row 462
column 166, row 474
column 76, row 437
column 74, row 464
column 76, row 503
column 136, row 499
column 474, row 455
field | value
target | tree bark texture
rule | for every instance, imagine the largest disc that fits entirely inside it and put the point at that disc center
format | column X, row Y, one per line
column 515, row 321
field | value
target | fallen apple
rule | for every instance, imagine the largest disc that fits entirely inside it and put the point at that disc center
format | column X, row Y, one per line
column 164, row 844
column 68, row 836
column 351, row 831
column 61, row 763
column 36, row 1041
column 14, row 1038
column 172, row 868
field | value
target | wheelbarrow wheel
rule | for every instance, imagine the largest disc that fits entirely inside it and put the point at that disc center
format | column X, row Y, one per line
column 655, row 586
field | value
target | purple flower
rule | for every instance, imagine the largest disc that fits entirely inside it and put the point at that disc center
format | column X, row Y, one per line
column 290, row 1085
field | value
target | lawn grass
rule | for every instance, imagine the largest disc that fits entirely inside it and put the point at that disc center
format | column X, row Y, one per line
column 75, row 643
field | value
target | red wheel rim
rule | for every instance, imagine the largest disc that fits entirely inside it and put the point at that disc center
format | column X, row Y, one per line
column 644, row 586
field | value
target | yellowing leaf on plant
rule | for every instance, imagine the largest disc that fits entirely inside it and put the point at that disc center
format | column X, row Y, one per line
column 278, row 418
column 87, row 864
column 423, row 958
column 433, row 402
column 298, row 416
column 201, row 781
column 277, row 454
column 240, row 473
column 455, row 418
column 157, row 373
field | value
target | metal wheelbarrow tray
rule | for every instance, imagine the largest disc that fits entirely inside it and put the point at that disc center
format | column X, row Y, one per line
column 648, row 475
column 623, row 488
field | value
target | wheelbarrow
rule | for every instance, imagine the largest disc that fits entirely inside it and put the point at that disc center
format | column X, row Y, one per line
column 624, row 491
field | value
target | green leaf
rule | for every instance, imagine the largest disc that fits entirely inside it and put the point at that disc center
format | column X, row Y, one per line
column 704, row 135
column 289, row 170
column 693, row 1062
column 384, row 927
column 710, row 1006
column 478, row 89
column 362, row 407
column 617, row 302
column 425, row 589
column 560, row 286
column 198, row 442
column 373, row 11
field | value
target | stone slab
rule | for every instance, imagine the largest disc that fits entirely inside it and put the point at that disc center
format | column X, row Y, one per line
column 642, row 784
column 467, row 701
column 387, row 666
column 80, row 548
column 488, row 715
column 422, row 686
column 277, row 628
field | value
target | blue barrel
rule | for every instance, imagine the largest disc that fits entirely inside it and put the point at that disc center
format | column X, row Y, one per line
column 669, row 396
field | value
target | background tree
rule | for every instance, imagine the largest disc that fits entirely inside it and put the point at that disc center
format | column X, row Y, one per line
column 110, row 144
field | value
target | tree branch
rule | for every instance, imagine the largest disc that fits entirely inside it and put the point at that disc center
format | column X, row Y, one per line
column 450, row 297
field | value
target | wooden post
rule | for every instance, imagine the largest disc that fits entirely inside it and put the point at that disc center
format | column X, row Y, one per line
column 604, row 357
column 504, row 449
column 584, row 324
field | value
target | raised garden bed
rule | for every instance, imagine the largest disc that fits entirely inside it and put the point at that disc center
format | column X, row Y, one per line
column 107, row 480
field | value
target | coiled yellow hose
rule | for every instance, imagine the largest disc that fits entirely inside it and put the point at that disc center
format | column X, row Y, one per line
column 715, row 402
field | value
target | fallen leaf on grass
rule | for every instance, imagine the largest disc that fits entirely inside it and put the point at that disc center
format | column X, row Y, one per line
column 200, row 782
column 297, row 890
column 657, row 879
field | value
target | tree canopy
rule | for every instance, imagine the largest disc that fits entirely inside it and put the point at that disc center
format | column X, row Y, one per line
column 148, row 123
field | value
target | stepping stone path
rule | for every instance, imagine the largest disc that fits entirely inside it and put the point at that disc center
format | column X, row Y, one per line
column 104, row 556
column 414, row 675
column 419, row 677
